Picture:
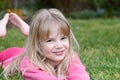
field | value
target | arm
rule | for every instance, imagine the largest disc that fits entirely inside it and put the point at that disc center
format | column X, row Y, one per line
column 8, row 54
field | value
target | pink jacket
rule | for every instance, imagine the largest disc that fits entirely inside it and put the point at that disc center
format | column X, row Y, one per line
column 76, row 70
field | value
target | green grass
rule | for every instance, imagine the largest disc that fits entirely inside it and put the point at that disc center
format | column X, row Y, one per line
column 99, row 40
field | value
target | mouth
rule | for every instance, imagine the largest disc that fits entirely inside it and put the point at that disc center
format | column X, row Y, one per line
column 58, row 52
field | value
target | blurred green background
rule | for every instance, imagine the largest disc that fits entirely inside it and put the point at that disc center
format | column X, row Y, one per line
column 71, row 8
column 95, row 23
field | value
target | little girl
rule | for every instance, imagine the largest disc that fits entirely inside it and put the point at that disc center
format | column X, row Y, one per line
column 50, row 50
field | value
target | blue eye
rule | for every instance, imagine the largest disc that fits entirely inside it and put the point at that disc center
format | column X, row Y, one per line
column 49, row 40
column 63, row 38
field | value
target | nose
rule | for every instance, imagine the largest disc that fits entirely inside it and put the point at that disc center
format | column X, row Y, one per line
column 58, row 44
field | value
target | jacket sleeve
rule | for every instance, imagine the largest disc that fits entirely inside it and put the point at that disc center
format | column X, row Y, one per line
column 31, row 72
column 77, row 70
column 7, row 55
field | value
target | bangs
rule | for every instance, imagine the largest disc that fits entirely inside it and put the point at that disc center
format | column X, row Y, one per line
column 51, row 23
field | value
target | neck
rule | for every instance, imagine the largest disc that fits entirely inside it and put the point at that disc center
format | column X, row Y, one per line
column 54, row 64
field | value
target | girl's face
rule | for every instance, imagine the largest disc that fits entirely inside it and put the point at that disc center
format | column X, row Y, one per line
column 56, row 46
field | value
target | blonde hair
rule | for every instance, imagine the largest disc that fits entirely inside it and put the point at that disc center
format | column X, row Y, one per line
column 39, row 30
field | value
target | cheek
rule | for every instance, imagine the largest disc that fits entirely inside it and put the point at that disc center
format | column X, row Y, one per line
column 67, row 44
column 47, row 49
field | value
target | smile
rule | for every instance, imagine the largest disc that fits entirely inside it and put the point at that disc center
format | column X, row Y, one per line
column 59, row 52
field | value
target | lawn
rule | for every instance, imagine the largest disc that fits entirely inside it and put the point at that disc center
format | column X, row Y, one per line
column 99, row 40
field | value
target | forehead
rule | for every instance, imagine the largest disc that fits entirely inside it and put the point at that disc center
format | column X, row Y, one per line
column 55, row 27
column 55, row 30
